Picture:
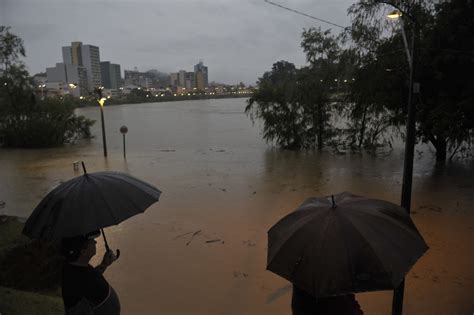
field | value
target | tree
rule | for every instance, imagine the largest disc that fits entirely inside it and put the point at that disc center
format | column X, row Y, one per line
column 296, row 105
column 11, row 47
column 24, row 121
column 320, row 82
column 446, row 104
column 375, row 95
column 444, row 67
column 274, row 102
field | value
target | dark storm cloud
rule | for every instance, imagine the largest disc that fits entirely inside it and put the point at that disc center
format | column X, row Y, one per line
column 237, row 40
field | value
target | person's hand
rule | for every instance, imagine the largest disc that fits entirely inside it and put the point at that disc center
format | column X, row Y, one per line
column 109, row 258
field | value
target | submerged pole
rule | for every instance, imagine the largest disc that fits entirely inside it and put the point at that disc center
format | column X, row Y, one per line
column 123, row 131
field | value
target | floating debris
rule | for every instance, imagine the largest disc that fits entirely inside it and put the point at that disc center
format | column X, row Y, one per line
column 192, row 237
column 238, row 274
column 249, row 243
column 213, row 241
column 181, row 235
column 431, row 207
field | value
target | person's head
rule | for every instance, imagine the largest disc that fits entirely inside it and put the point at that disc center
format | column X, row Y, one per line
column 81, row 247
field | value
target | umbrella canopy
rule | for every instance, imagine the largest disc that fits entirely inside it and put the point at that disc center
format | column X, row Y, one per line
column 88, row 203
column 348, row 244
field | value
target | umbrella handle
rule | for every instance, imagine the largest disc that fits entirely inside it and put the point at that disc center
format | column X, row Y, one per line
column 107, row 248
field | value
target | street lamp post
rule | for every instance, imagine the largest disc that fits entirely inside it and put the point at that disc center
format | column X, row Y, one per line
column 101, row 101
column 397, row 302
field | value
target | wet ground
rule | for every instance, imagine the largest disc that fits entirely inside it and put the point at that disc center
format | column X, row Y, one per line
column 202, row 248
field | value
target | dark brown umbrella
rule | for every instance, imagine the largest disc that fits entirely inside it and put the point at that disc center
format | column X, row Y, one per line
column 344, row 244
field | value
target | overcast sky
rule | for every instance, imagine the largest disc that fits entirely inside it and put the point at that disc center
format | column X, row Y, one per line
column 237, row 39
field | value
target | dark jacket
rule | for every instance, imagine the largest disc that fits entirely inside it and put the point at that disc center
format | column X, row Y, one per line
column 303, row 303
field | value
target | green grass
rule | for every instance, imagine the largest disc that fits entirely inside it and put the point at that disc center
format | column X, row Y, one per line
column 15, row 302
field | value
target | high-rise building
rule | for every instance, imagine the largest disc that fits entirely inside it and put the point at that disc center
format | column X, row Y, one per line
column 135, row 77
column 87, row 56
column 77, row 76
column 91, row 61
column 174, row 79
column 110, row 73
column 202, row 78
column 71, row 76
column 182, row 78
column 189, row 80
column 67, row 54
column 76, row 53
column 57, row 73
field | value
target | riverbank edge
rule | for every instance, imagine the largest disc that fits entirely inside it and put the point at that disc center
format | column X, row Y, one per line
column 14, row 301
column 168, row 98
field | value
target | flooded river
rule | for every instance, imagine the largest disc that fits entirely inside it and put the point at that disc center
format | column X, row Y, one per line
column 202, row 248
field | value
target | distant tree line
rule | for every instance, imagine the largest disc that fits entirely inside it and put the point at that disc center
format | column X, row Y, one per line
column 360, row 76
column 26, row 121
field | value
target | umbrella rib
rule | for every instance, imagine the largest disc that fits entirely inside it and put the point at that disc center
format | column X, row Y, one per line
column 407, row 227
column 105, row 200
column 295, row 232
column 365, row 241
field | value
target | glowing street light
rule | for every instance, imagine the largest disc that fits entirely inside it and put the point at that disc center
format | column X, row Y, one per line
column 41, row 86
column 395, row 14
column 101, row 100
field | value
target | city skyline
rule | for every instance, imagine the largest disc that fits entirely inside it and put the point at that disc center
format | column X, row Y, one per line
column 238, row 41
column 82, row 71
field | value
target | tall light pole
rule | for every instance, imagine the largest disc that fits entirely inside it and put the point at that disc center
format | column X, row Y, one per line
column 397, row 302
column 101, row 101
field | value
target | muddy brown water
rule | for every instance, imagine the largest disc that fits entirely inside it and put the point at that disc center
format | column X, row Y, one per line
column 202, row 248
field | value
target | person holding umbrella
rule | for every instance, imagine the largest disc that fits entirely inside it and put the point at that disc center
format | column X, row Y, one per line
column 334, row 246
column 76, row 212
column 303, row 303
column 84, row 288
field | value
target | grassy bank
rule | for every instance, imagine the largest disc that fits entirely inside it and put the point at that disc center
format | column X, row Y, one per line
column 29, row 272
column 17, row 302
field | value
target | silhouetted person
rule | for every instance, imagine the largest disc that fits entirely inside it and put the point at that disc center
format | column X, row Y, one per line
column 303, row 303
column 84, row 288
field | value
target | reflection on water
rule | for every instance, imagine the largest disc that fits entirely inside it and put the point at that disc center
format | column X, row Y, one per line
column 224, row 185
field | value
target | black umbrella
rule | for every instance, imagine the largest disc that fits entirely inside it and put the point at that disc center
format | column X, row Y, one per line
column 344, row 244
column 89, row 203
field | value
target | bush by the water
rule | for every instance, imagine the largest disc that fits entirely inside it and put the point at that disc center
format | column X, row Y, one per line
column 47, row 123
